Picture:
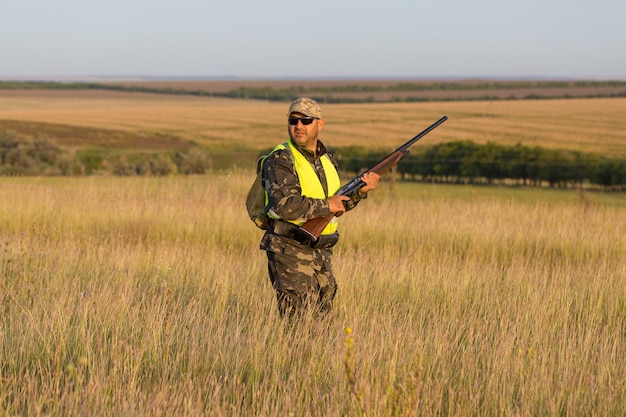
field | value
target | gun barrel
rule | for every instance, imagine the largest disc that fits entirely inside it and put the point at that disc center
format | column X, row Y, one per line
column 422, row 134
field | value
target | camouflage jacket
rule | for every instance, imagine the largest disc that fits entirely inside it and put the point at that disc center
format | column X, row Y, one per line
column 283, row 187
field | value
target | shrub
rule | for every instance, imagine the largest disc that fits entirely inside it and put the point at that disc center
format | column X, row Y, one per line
column 91, row 159
column 21, row 155
column 195, row 161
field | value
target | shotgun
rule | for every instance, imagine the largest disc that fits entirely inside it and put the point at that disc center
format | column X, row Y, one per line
column 309, row 233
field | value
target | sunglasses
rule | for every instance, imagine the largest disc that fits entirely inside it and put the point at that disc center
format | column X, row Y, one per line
column 304, row 120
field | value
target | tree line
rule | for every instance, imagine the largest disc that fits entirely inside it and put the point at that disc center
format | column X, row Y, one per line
column 324, row 94
column 452, row 162
column 470, row 163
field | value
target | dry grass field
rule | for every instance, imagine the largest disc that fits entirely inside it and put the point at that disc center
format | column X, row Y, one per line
column 148, row 296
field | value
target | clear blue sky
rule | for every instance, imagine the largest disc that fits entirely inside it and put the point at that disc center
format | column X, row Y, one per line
column 324, row 38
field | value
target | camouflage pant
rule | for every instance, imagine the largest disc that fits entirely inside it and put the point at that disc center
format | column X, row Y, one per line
column 301, row 276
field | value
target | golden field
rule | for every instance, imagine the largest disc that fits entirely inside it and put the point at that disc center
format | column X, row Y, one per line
column 226, row 125
column 149, row 296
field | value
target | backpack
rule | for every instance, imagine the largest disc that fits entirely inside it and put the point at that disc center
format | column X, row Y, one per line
column 255, row 200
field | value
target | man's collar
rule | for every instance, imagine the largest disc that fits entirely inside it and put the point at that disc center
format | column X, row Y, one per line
column 321, row 150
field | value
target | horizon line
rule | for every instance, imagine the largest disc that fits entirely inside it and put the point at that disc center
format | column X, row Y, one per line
column 95, row 78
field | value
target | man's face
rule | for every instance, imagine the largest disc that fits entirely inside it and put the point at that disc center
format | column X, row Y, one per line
column 304, row 135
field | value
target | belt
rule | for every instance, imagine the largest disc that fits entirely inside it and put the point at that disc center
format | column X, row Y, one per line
column 290, row 230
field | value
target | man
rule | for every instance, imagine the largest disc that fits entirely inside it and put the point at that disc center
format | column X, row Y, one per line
column 300, row 179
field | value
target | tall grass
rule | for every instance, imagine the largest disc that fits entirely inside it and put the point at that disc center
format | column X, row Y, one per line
column 149, row 296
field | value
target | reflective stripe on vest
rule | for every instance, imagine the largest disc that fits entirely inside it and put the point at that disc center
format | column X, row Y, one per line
column 310, row 184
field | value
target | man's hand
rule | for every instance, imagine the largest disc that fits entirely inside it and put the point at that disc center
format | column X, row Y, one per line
column 371, row 181
column 335, row 204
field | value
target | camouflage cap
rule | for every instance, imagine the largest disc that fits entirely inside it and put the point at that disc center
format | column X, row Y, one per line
column 306, row 106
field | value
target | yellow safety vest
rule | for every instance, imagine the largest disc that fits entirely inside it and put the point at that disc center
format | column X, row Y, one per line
column 310, row 184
